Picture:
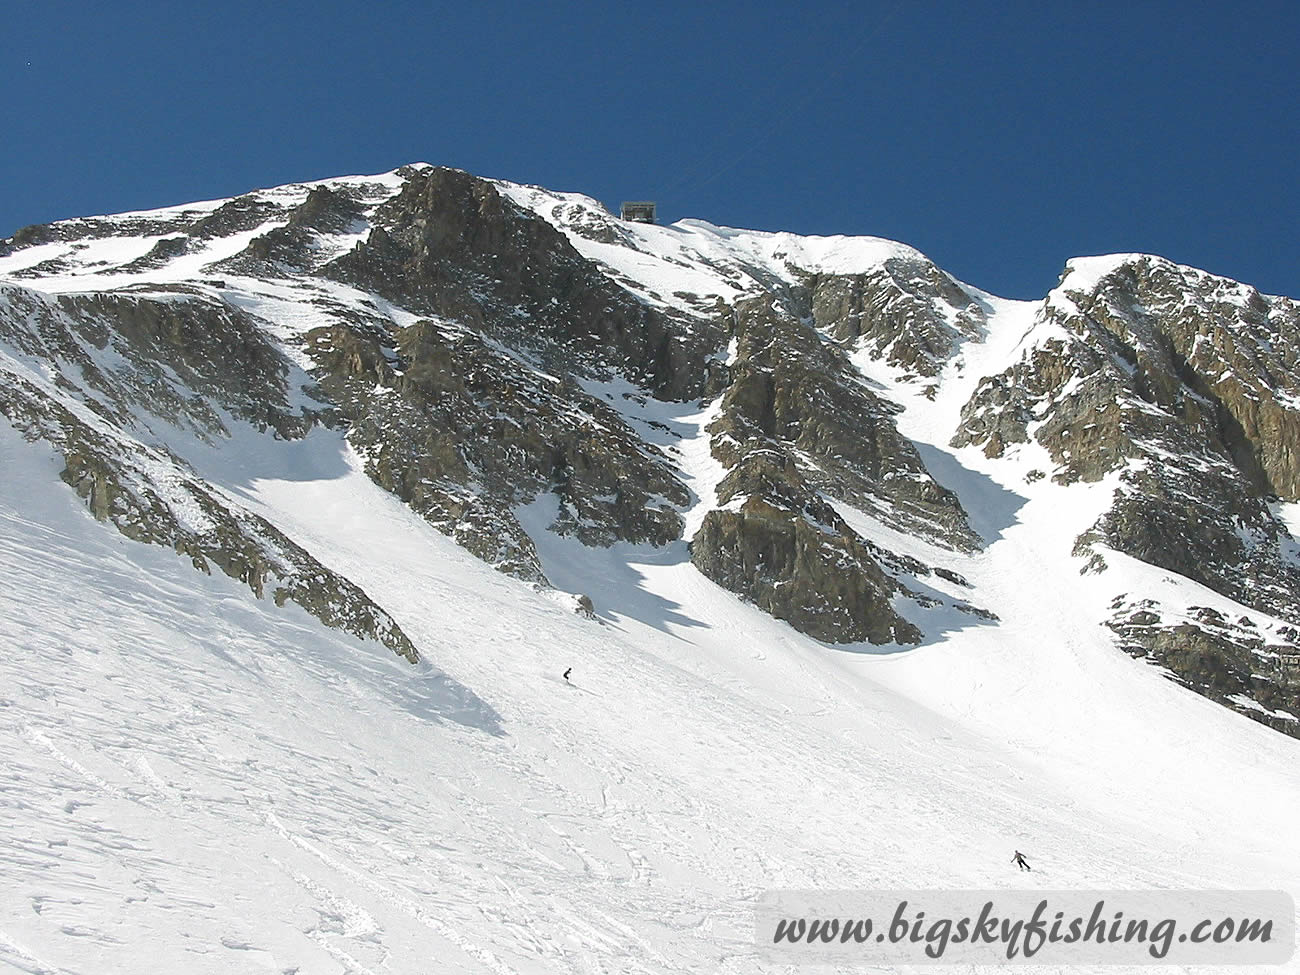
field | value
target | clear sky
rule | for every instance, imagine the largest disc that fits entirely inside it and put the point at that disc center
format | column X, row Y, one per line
column 999, row 138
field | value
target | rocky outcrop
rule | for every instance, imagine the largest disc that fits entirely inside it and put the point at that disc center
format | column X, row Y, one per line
column 465, row 433
column 329, row 211
column 147, row 494
column 1181, row 383
column 451, row 246
column 489, row 348
column 1253, row 669
column 94, row 228
column 796, row 423
column 165, row 250
column 1148, row 348
column 235, row 216
column 130, row 367
column 295, row 247
column 1183, row 386
column 905, row 311
column 791, row 392
column 482, row 406
column 786, row 550
column 170, row 358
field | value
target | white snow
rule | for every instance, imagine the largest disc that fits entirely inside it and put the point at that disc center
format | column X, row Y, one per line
column 197, row 781
column 95, row 264
column 693, row 261
column 202, row 782
column 1085, row 273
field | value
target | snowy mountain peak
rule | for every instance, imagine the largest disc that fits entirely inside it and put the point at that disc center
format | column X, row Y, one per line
column 421, row 533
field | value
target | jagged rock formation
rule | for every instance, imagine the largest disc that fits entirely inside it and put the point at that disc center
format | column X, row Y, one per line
column 788, row 387
column 486, row 346
column 794, row 423
column 1235, row 662
column 452, row 246
column 1184, row 386
column 181, row 358
column 907, row 312
column 788, row 551
column 294, row 247
column 464, row 433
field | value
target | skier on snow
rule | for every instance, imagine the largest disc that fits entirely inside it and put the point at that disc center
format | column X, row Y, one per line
column 566, row 675
column 1019, row 860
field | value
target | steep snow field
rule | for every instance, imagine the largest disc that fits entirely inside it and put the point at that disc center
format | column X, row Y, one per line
column 198, row 782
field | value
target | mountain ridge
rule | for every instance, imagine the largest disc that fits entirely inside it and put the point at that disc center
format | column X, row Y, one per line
column 471, row 336
column 398, row 574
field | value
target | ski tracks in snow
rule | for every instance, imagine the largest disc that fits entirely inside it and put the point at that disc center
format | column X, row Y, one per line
column 15, row 955
column 393, row 899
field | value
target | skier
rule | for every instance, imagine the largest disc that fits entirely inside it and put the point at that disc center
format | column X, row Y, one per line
column 1019, row 860
column 566, row 675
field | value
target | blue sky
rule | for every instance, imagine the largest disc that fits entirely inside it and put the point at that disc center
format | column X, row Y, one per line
column 999, row 138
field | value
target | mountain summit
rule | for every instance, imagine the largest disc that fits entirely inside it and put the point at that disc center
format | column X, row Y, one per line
column 518, row 365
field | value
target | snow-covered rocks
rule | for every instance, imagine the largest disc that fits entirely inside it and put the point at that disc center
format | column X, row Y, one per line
column 496, row 351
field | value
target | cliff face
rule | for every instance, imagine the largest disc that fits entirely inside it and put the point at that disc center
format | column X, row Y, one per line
column 797, row 425
column 484, row 346
column 1183, row 386
column 123, row 373
column 451, row 245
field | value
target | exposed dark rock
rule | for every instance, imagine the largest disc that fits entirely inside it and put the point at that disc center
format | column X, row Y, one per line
column 294, row 248
column 465, row 433
column 281, row 252
column 907, row 312
column 241, row 214
column 327, row 211
column 94, row 228
column 149, row 496
column 176, row 357
column 952, row 577
column 465, row 371
column 50, row 266
column 791, row 391
column 451, row 245
column 1232, row 663
column 165, row 250
column 33, row 234
column 822, row 580
column 796, row 421
column 1150, row 349
column 1185, row 384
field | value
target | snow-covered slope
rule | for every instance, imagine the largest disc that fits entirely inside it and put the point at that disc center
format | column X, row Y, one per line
column 200, row 783
column 200, row 780
column 694, row 260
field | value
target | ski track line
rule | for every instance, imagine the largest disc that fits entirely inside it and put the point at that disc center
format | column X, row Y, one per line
column 67, row 761
column 500, row 916
column 641, row 871
column 535, row 920
column 337, row 953
column 483, row 955
column 356, row 921
column 628, row 932
column 162, row 793
column 154, row 779
column 590, row 865
column 33, row 965
column 511, row 834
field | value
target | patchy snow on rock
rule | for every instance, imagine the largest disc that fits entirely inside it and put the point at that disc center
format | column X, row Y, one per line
column 201, row 781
